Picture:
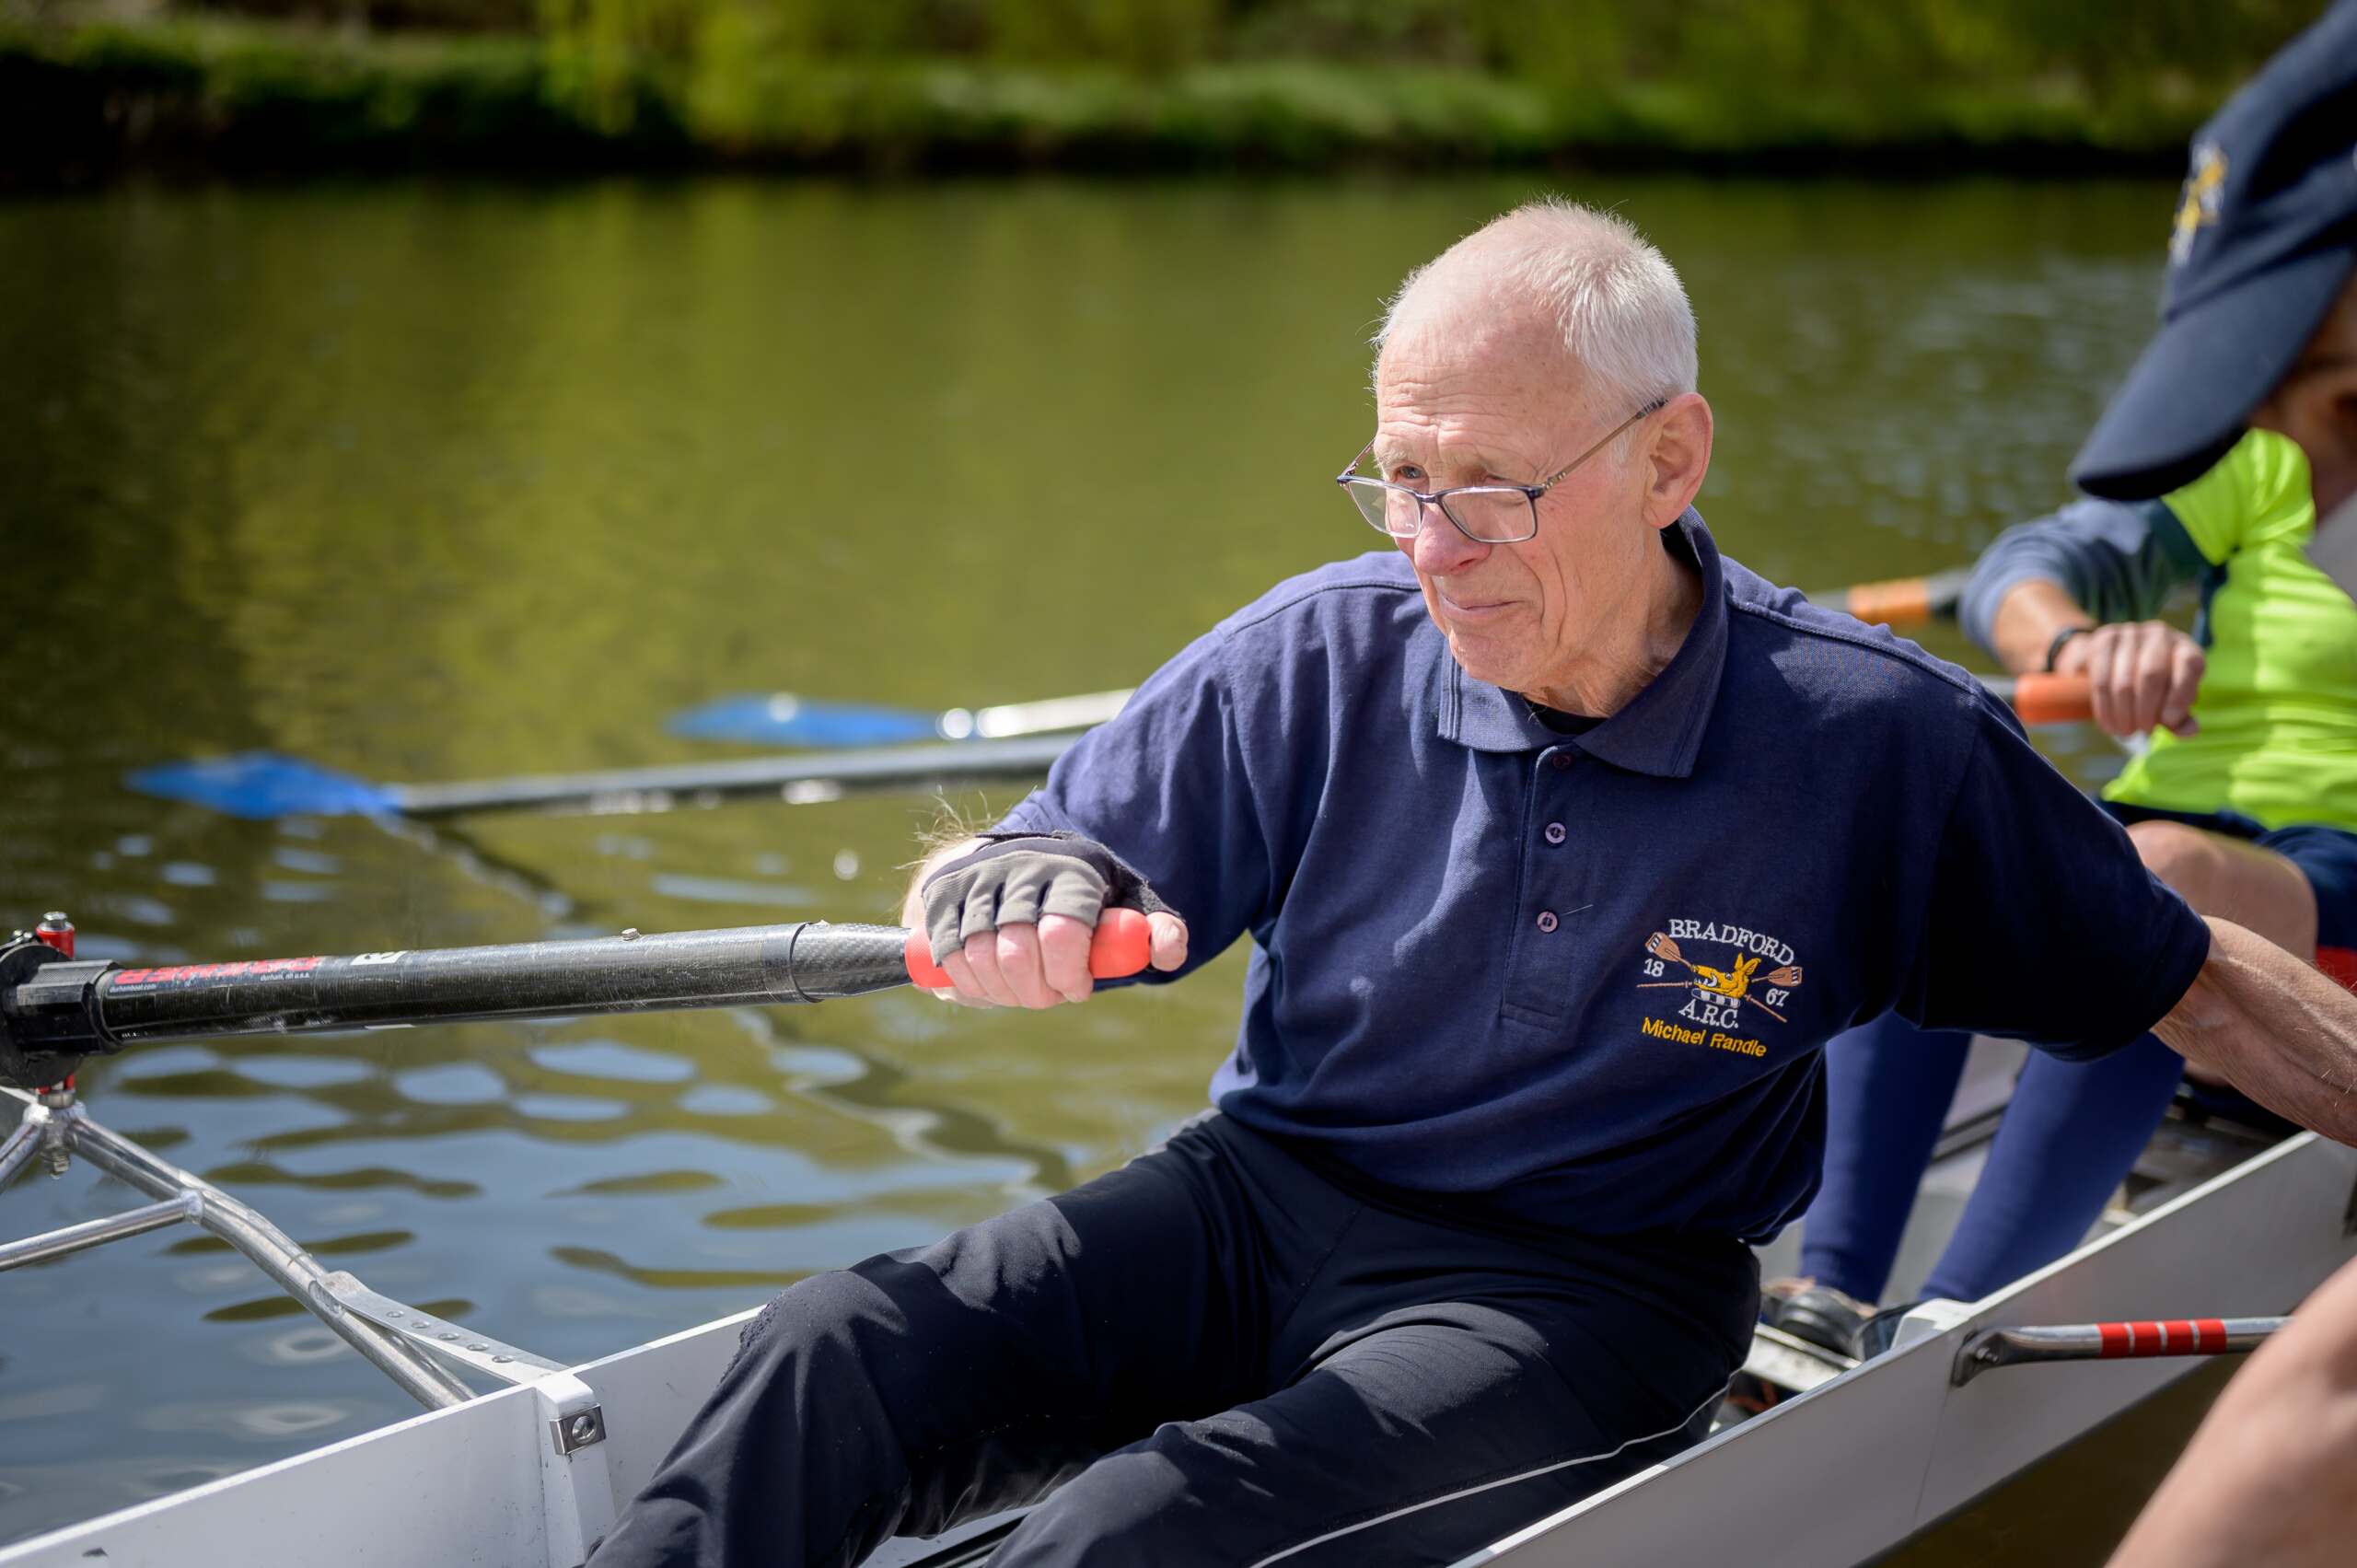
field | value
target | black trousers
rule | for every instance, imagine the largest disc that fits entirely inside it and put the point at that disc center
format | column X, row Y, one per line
column 1229, row 1352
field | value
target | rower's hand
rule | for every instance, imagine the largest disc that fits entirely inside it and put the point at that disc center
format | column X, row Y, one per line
column 2143, row 674
column 1011, row 919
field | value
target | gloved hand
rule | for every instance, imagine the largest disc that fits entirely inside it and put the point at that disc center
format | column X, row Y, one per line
column 1010, row 918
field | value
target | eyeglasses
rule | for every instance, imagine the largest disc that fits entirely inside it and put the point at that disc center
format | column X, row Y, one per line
column 1486, row 514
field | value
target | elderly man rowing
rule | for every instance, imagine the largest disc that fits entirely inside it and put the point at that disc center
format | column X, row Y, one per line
column 1564, row 843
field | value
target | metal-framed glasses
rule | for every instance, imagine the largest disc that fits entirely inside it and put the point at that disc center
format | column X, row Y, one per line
column 1486, row 514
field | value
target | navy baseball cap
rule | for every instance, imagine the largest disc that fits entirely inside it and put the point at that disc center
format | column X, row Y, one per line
column 2264, row 240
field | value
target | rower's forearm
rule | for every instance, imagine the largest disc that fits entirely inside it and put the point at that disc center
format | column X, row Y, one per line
column 2028, row 618
column 2273, row 1027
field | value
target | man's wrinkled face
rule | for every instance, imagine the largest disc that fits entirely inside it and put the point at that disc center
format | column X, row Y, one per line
column 2317, row 406
column 1466, row 402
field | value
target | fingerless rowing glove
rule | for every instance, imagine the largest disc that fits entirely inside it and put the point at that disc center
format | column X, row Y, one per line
column 1014, row 878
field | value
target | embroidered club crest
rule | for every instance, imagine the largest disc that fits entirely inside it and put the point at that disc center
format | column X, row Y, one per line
column 1719, row 995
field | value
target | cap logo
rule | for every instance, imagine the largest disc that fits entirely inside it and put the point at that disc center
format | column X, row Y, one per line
column 2198, row 204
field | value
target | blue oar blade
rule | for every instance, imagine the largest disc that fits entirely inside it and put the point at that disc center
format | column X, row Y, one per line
column 782, row 719
column 263, row 784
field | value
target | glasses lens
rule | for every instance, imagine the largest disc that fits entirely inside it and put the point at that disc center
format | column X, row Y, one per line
column 1391, row 510
column 1493, row 517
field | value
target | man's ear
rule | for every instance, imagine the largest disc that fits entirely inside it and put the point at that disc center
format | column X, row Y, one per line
column 1676, row 457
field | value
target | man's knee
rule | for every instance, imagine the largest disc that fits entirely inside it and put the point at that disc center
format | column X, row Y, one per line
column 829, row 1326
column 2256, row 888
column 2187, row 859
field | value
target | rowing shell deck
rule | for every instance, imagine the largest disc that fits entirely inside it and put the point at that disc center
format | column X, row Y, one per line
column 1853, row 1463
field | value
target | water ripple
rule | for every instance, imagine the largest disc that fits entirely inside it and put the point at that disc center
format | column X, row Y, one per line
column 612, row 1058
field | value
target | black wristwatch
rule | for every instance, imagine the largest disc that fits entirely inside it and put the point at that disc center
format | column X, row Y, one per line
column 2054, row 648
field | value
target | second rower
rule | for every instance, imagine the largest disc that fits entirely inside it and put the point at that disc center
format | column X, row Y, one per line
column 2244, row 802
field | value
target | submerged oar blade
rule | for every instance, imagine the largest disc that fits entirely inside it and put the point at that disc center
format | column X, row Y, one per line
column 780, row 718
column 263, row 784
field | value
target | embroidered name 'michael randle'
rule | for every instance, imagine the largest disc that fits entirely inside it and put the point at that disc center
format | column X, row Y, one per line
column 1718, row 994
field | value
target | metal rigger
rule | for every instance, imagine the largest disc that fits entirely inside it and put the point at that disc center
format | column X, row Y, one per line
column 56, row 1011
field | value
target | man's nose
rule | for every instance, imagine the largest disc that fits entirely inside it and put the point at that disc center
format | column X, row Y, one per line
column 1441, row 548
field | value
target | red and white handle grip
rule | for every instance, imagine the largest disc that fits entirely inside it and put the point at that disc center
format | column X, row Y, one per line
column 1993, row 1348
column 1121, row 945
column 2164, row 1336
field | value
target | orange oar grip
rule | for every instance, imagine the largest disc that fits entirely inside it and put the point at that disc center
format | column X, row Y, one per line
column 2053, row 699
column 1121, row 946
column 923, row 970
column 1904, row 602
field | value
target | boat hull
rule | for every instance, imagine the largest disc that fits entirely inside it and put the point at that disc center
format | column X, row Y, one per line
column 1860, row 1463
column 1833, row 1476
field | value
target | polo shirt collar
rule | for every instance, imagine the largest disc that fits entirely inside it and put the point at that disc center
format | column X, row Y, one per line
column 1658, row 731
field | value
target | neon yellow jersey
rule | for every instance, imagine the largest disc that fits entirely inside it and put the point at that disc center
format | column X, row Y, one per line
column 2277, row 704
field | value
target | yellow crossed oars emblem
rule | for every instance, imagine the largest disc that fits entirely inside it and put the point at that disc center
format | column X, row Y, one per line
column 1733, row 984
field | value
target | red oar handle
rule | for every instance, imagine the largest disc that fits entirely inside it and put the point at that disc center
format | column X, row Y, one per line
column 2167, row 1336
column 1906, row 602
column 1987, row 1349
column 2053, row 699
column 1121, row 946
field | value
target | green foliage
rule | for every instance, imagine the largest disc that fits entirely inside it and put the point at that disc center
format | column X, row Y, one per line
column 1750, row 47
column 79, row 102
column 598, row 51
column 905, row 84
column 1145, row 36
column 1837, row 60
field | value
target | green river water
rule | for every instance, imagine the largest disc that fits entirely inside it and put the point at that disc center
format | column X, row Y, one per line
column 429, row 480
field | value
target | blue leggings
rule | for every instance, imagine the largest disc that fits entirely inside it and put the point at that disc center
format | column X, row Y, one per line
column 2070, row 1133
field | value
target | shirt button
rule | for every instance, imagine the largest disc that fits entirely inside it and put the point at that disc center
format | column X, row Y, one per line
column 1562, row 760
column 1545, row 920
column 1554, row 832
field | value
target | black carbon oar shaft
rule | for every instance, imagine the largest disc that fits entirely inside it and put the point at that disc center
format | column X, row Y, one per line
column 759, row 965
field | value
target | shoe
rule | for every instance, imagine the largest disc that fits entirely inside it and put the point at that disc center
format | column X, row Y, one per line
column 1877, row 1333
column 1826, row 1317
column 1773, row 1293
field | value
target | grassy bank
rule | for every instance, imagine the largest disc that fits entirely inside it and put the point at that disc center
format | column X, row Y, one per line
column 87, row 101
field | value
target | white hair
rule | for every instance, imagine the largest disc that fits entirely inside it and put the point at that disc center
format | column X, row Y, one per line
column 1623, row 314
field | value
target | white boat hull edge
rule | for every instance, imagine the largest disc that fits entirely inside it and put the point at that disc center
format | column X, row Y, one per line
column 1860, row 1463
column 1833, row 1476
column 452, row 1488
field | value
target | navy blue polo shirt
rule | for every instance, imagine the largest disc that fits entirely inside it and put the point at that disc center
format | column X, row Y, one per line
column 1588, row 975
